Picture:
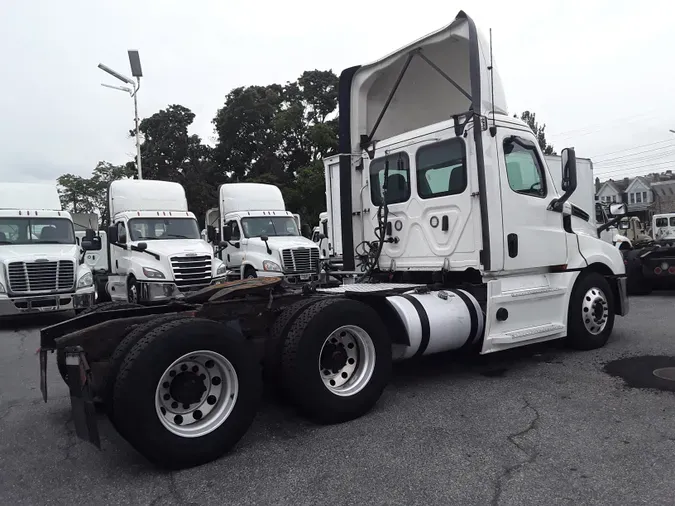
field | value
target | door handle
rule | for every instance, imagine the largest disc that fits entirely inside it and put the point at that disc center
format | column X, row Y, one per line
column 445, row 224
column 512, row 243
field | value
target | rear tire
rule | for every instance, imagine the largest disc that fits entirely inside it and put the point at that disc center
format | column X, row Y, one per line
column 338, row 341
column 249, row 273
column 144, row 380
column 274, row 346
column 636, row 282
column 590, row 318
column 97, row 308
column 117, row 358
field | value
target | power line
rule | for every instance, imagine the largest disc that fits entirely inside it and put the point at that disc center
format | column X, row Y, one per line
column 667, row 146
column 665, row 156
column 667, row 163
column 630, row 149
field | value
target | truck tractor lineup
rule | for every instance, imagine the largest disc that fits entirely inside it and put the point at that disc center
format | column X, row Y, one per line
column 453, row 232
column 41, row 265
column 152, row 246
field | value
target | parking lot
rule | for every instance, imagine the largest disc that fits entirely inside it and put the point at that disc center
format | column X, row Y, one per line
column 542, row 425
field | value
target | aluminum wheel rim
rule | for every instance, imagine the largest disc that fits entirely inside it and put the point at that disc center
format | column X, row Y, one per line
column 595, row 311
column 221, row 389
column 133, row 294
column 354, row 346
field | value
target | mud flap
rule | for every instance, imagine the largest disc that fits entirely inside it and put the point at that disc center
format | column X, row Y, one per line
column 43, row 373
column 81, row 400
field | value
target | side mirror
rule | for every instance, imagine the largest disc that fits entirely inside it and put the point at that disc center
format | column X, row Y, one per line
column 89, row 234
column 569, row 179
column 211, row 233
column 227, row 233
column 264, row 238
column 142, row 246
column 618, row 210
column 569, row 171
column 623, row 225
column 321, row 237
column 222, row 244
column 93, row 244
column 112, row 234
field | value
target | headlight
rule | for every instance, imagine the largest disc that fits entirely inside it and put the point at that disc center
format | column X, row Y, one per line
column 2, row 288
column 152, row 273
column 222, row 269
column 85, row 281
column 268, row 265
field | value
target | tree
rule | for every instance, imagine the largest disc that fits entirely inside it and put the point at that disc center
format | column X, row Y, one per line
column 530, row 118
column 279, row 134
column 170, row 153
column 88, row 195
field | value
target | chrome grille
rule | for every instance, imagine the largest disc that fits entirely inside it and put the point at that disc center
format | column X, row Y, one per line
column 300, row 260
column 27, row 277
column 191, row 272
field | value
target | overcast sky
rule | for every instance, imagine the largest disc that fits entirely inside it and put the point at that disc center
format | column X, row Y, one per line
column 598, row 73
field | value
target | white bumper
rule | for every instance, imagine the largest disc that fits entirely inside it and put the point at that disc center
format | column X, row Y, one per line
column 11, row 305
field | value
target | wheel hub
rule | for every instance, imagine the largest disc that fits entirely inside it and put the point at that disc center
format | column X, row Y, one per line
column 595, row 311
column 347, row 360
column 187, row 388
column 196, row 393
column 334, row 357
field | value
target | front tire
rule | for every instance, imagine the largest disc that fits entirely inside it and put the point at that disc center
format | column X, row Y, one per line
column 590, row 318
column 212, row 379
column 132, row 290
column 336, row 360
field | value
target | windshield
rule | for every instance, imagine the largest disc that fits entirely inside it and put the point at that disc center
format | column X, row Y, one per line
column 271, row 226
column 18, row 230
column 155, row 229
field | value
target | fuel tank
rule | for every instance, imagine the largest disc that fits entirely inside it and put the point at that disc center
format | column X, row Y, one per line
column 437, row 321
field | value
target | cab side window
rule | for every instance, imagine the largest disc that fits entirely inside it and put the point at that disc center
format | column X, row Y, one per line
column 398, row 178
column 236, row 234
column 441, row 169
column 121, row 232
column 524, row 170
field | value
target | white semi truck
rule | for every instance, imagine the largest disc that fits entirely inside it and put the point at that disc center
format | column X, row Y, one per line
column 155, row 252
column 41, row 267
column 453, row 224
column 257, row 237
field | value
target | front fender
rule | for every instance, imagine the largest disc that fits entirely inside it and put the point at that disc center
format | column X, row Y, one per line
column 596, row 251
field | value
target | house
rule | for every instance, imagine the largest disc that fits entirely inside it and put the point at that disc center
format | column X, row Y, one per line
column 643, row 195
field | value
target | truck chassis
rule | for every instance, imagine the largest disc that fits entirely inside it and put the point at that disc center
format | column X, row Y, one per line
column 182, row 381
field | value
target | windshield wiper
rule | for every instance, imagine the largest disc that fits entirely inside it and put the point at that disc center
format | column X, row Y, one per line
column 50, row 242
column 5, row 242
column 179, row 236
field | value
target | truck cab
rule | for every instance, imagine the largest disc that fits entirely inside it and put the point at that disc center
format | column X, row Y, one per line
column 41, row 266
column 440, row 184
column 663, row 227
column 257, row 236
column 155, row 251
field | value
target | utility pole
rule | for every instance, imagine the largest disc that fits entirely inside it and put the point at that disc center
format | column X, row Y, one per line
column 135, row 63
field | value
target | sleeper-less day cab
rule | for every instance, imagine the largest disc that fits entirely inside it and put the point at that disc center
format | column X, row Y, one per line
column 41, row 266
column 155, row 250
column 449, row 221
column 257, row 237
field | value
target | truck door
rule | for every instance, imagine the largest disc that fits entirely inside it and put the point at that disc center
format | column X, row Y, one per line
column 119, row 253
column 533, row 236
column 235, row 256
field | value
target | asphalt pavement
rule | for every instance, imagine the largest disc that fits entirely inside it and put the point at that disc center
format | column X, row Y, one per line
column 541, row 425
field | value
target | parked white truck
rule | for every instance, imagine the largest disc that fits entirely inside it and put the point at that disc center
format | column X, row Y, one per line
column 155, row 252
column 464, row 242
column 257, row 237
column 41, row 266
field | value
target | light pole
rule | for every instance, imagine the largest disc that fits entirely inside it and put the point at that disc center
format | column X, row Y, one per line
column 135, row 63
